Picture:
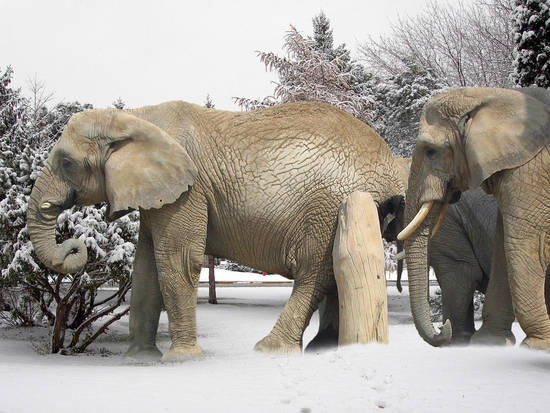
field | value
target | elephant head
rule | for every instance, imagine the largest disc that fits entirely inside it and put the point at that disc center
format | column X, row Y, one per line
column 103, row 155
column 466, row 136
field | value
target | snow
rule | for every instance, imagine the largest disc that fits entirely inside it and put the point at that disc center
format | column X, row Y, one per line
column 242, row 277
column 405, row 376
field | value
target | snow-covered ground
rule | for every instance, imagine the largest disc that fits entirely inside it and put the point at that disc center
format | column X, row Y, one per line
column 405, row 376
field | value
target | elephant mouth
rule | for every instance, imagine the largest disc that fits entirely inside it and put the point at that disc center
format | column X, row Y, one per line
column 450, row 198
column 53, row 206
column 454, row 197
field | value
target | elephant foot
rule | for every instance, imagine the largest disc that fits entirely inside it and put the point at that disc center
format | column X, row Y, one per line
column 324, row 340
column 536, row 343
column 142, row 354
column 461, row 338
column 486, row 337
column 272, row 345
column 182, row 353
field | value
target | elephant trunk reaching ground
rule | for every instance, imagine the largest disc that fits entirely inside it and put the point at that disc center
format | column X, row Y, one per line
column 49, row 197
column 497, row 139
column 422, row 213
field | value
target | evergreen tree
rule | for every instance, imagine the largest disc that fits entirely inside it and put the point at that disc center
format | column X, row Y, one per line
column 119, row 103
column 209, row 103
column 322, row 34
column 30, row 293
column 532, row 39
column 324, row 41
column 310, row 74
column 399, row 101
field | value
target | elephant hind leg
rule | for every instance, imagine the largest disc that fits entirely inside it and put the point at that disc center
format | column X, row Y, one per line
column 286, row 335
column 527, row 284
column 327, row 336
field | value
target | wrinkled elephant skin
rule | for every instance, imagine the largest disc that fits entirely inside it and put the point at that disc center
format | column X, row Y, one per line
column 262, row 188
column 498, row 139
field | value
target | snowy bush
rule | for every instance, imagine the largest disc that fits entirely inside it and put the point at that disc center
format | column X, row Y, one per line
column 436, row 305
column 399, row 102
column 390, row 249
column 30, row 292
column 235, row 266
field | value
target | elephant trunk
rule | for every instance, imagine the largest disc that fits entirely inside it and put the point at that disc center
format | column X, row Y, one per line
column 416, row 247
column 400, row 246
column 48, row 198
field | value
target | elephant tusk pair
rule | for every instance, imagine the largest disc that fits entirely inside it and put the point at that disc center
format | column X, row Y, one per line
column 420, row 217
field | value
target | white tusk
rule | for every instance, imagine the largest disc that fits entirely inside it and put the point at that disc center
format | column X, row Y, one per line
column 416, row 221
column 45, row 205
column 440, row 219
column 399, row 256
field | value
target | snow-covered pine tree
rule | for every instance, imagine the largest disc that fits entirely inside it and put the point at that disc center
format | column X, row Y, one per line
column 322, row 35
column 209, row 103
column 30, row 292
column 532, row 43
column 360, row 79
column 119, row 103
column 311, row 71
column 399, row 101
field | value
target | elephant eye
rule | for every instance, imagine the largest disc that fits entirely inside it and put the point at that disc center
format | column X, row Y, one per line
column 430, row 153
column 67, row 163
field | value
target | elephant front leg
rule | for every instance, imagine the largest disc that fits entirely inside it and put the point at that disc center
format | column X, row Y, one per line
column 179, row 279
column 286, row 335
column 498, row 313
column 145, row 303
column 457, row 295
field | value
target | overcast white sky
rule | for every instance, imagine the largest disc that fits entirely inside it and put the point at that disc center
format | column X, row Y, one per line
column 147, row 52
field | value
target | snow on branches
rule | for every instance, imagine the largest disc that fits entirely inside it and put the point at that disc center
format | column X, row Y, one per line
column 307, row 73
column 30, row 293
column 532, row 43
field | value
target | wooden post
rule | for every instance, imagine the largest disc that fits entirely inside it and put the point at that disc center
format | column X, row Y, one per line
column 211, row 281
column 358, row 260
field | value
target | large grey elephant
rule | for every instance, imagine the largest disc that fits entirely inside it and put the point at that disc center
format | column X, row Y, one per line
column 262, row 188
column 497, row 139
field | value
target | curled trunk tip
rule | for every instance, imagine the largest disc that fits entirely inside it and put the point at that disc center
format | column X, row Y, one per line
column 46, row 201
column 441, row 339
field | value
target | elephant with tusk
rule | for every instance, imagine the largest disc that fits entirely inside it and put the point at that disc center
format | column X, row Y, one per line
column 262, row 188
column 498, row 139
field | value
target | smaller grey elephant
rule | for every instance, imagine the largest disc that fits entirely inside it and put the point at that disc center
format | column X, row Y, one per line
column 460, row 254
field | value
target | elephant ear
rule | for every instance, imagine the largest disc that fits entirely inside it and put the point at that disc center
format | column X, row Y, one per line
column 145, row 167
column 503, row 132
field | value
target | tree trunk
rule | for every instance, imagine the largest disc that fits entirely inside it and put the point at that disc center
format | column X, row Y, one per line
column 211, row 281
column 58, row 334
column 358, row 260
